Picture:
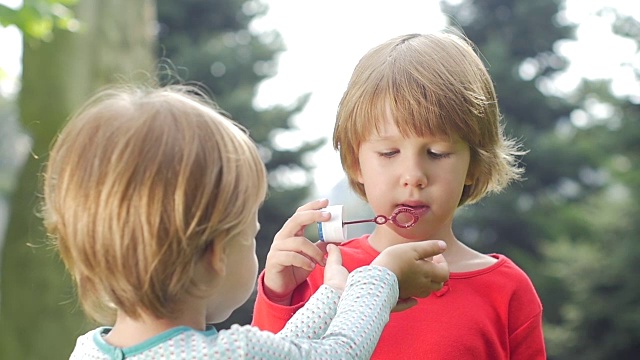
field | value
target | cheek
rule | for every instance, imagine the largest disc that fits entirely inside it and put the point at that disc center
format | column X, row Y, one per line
column 251, row 261
column 254, row 273
column 250, row 277
column 366, row 169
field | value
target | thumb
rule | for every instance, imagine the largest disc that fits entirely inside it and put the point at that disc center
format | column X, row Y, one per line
column 430, row 248
column 404, row 304
column 439, row 259
column 334, row 256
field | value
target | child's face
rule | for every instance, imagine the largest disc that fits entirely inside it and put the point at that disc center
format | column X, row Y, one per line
column 425, row 173
column 240, row 274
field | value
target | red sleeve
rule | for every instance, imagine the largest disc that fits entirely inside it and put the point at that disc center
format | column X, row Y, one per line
column 273, row 317
column 526, row 338
column 528, row 341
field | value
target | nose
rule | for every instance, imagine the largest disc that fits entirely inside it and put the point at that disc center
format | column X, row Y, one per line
column 414, row 176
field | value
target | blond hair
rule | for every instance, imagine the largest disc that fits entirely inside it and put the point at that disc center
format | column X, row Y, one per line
column 433, row 84
column 139, row 183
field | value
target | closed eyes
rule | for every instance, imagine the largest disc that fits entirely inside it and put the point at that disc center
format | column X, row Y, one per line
column 432, row 154
column 437, row 155
column 388, row 154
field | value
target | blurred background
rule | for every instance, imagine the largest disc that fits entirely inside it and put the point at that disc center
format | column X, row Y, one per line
column 567, row 75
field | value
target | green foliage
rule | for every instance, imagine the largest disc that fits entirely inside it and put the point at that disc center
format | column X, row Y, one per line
column 599, row 316
column 36, row 19
column 508, row 33
column 572, row 224
column 8, row 129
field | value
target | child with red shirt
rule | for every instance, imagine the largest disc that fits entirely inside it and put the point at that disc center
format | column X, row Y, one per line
column 419, row 127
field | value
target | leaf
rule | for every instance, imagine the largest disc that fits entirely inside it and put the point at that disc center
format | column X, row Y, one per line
column 8, row 15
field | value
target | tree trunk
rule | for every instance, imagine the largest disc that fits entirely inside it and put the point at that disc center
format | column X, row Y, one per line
column 39, row 316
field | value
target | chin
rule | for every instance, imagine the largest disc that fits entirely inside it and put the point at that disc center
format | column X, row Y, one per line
column 413, row 234
column 219, row 312
column 218, row 318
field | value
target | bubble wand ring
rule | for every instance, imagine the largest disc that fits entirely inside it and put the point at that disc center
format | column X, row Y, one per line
column 381, row 219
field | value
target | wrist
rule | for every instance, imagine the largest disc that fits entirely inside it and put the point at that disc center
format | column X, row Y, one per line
column 339, row 288
column 284, row 300
column 388, row 263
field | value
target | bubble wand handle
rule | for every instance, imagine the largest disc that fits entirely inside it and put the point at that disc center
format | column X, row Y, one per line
column 379, row 219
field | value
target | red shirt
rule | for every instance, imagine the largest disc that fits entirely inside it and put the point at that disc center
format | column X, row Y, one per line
column 492, row 313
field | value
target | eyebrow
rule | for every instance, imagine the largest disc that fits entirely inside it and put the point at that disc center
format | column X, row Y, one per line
column 377, row 138
column 434, row 138
column 430, row 139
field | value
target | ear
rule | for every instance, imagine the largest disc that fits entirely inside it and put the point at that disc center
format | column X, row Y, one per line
column 217, row 257
column 468, row 180
column 359, row 175
column 471, row 175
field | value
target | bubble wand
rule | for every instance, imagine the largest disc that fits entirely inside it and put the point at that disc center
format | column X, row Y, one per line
column 335, row 229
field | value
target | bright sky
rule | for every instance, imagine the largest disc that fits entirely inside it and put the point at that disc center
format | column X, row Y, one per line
column 10, row 54
column 325, row 39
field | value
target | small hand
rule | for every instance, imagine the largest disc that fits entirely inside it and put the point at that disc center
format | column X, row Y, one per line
column 404, row 304
column 292, row 256
column 418, row 275
column 335, row 275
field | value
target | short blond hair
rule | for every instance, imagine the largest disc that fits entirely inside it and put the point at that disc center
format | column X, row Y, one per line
column 433, row 84
column 139, row 184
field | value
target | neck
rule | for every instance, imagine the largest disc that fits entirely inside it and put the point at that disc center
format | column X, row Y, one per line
column 128, row 331
column 383, row 237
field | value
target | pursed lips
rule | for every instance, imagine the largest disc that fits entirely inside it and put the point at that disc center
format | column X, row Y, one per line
column 419, row 207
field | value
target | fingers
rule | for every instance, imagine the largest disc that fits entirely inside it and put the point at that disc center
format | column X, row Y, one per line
column 401, row 257
column 440, row 271
column 322, row 245
column 292, row 256
column 291, row 238
column 285, row 251
column 301, row 257
column 334, row 256
column 335, row 275
column 420, row 266
column 434, row 272
column 404, row 304
column 430, row 252
column 439, row 259
column 427, row 249
column 314, row 205
column 295, row 225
